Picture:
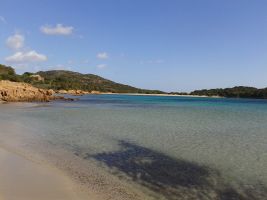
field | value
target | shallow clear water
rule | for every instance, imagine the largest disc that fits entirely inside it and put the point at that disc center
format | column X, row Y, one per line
column 163, row 142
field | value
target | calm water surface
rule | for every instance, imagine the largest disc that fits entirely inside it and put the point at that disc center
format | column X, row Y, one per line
column 170, row 145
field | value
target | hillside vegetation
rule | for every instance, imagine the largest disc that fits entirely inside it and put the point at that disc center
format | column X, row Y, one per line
column 235, row 92
column 8, row 73
column 68, row 80
column 59, row 79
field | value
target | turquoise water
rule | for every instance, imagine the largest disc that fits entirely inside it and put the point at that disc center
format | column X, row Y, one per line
column 213, row 148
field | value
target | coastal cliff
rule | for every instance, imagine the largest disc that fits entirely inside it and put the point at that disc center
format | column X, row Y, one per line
column 16, row 92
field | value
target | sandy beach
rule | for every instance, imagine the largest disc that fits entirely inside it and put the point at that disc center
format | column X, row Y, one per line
column 24, row 179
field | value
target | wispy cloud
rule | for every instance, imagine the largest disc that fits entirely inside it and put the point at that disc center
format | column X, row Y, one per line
column 26, row 57
column 3, row 20
column 101, row 66
column 15, row 42
column 102, row 56
column 59, row 29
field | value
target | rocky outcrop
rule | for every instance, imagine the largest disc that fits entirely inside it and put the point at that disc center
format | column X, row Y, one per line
column 37, row 77
column 95, row 92
column 73, row 92
column 14, row 91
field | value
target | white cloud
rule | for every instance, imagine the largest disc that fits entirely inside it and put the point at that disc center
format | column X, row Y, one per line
column 59, row 29
column 26, row 57
column 101, row 66
column 102, row 55
column 15, row 41
column 2, row 19
column 21, row 55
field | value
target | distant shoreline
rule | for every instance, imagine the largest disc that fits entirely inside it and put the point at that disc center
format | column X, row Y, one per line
column 165, row 95
column 82, row 92
column 44, row 83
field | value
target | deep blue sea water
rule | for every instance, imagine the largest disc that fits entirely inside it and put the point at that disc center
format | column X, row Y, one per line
column 217, row 146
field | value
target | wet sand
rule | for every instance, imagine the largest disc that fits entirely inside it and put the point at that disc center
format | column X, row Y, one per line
column 22, row 179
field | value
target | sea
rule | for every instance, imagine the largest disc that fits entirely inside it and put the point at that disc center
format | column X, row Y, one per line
column 148, row 147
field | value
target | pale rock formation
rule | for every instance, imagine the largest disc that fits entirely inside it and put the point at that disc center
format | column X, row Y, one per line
column 37, row 77
column 14, row 91
column 73, row 92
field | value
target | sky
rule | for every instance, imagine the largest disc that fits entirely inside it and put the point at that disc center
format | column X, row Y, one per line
column 171, row 45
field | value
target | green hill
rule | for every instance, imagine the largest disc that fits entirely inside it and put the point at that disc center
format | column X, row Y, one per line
column 61, row 79
column 8, row 73
column 68, row 80
column 235, row 92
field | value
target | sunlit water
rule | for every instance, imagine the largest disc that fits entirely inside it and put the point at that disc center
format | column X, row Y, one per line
column 163, row 143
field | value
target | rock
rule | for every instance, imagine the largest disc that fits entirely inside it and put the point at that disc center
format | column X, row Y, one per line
column 50, row 92
column 62, row 92
column 14, row 91
column 37, row 77
column 61, row 98
column 95, row 92
column 73, row 92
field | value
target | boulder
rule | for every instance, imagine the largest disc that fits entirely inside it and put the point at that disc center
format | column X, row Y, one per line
column 95, row 92
column 14, row 91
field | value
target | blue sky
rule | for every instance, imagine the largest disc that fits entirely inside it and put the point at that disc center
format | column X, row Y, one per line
column 172, row 45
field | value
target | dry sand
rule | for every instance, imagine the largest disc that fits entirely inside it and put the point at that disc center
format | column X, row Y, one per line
column 22, row 179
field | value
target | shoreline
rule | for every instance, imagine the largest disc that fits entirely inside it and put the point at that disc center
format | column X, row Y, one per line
column 84, row 178
column 164, row 95
column 22, row 178
column 82, row 93
column 86, row 174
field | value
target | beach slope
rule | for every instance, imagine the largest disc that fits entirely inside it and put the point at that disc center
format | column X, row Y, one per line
column 22, row 179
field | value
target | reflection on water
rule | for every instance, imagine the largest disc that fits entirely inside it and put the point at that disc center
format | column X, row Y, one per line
column 174, row 178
